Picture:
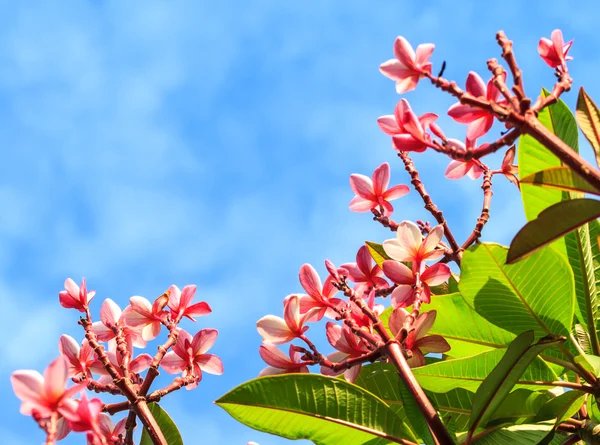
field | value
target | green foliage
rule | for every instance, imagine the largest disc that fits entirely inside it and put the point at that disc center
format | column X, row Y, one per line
column 377, row 252
column 588, row 118
column 166, row 424
column 560, row 178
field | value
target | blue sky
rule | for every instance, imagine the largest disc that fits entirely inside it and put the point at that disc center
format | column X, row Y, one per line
column 152, row 143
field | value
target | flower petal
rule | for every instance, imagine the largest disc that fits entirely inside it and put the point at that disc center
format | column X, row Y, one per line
column 274, row 330
column 436, row 274
column 172, row 363
column 388, row 124
column 362, row 186
column 403, row 296
column 209, row 363
column 381, row 179
column 433, row 343
column 203, row 340
column 396, row 320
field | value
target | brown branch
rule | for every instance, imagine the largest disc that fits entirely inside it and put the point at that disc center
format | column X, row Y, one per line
column 51, row 428
column 509, row 56
column 498, row 81
column 384, row 220
column 130, row 425
column 485, row 210
column 429, row 205
column 162, row 350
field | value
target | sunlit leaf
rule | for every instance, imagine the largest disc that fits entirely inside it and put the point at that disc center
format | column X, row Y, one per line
column 377, row 252
column 588, row 118
column 560, row 178
column 166, row 424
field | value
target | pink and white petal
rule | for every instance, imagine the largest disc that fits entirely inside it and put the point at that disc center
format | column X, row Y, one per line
column 209, row 363
column 274, row 330
column 381, row 179
column 406, row 142
column 72, row 288
column 174, row 297
column 140, row 363
column 311, row 282
column 362, row 185
column 172, row 363
column 557, row 41
column 406, row 84
column 187, row 295
column 403, row 296
column 335, row 357
column 433, row 343
column 197, row 310
column 203, row 340
column 418, row 359
column 273, row 356
column 291, row 313
column 364, row 261
column 270, row 370
column 350, row 374
column 333, row 332
column 361, row 205
column 423, row 54
column 404, row 53
column 110, row 313
column 432, row 240
column 105, row 425
column 184, row 341
column 28, row 385
column 398, row 272
column 476, row 85
column 427, row 119
column 62, row 428
column 475, row 171
column 396, row 192
column 120, row 427
column 102, row 332
column 396, row 320
column 354, row 271
column 456, row 169
column 410, row 122
column 69, row 348
column 141, row 305
column 393, row 69
column 397, row 250
column 436, row 274
column 388, row 124
column 151, row 331
column 131, row 317
column 464, row 114
column 55, row 379
column 480, row 126
column 423, row 323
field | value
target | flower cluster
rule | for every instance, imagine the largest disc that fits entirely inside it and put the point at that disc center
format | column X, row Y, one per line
column 106, row 361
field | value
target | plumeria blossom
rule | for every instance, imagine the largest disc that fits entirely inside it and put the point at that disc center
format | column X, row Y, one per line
column 404, row 294
column 408, row 67
column 372, row 193
column 110, row 320
column 277, row 330
column 74, row 296
column 554, row 51
column 108, row 430
column 459, row 168
column 279, row 363
column 79, row 359
column 417, row 341
column 361, row 319
column 408, row 132
column 410, row 246
column 86, row 415
column 189, row 356
column 508, row 168
column 47, row 394
column 180, row 303
column 365, row 273
column 145, row 316
column 348, row 345
column 137, row 365
column 478, row 121
column 318, row 296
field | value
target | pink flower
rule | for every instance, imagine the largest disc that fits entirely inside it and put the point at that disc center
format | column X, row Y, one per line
column 508, row 169
column 361, row 319
column 145, row 316
column 407, row 68
column 79, row 359
column 279, row 363
column 408, row 132
column 188, row 356
column 319, row 298
column 277, row 330
column 137, row 365
column 111, row 321
column 75, row 297
column 179, row 303
column 373, row 193
column 108, row 430
column 417, row 342
column 478, row 121
column 86, row 415
column 45, row 395
column 554, row 52
column 459, row 168
column 404, row 294
column 348, row 345
column 365, row 273
column 409, row 245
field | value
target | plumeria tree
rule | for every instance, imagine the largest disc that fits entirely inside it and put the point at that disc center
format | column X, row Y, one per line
column 106, row 362
column 438, row 340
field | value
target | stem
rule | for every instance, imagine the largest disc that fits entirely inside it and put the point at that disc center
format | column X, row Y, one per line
column 162, row 350
column 485, row 210
column 130, row 425
column 51, row 429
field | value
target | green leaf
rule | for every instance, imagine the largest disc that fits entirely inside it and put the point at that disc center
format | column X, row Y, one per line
column 415, row 418
column 494, row 389
column 560, row 178
column 469, row 372
column 536, row 293
column 318, row 408
column 166, row 424
column 382, row 380
column 552, row 223
column 592, row 408
column 561, row 407
column 377, row 252
column 513, row 434
column 589, row 362
column 588, row 118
